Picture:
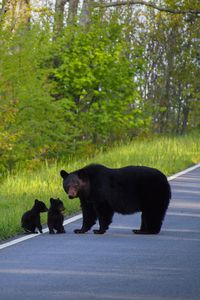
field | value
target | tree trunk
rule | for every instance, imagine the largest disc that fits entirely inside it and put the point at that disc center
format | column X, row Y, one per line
column 186, row 111
column 59, row 16
column 72, row 11
column 179, row 110
column 166, row 99
column 15, row 13
column 85, row 13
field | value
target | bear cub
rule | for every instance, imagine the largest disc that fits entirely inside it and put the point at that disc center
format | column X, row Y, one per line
column 31, row 219
column 55, row 216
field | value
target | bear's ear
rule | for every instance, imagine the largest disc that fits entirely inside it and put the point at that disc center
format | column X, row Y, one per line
column 63, row 174
column 51, row 200
column 36, row 201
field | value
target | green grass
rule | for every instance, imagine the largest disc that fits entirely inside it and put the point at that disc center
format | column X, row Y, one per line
column 17, row 192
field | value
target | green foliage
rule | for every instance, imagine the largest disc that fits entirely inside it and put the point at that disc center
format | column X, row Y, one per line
column 173, row 68
column 67, row 96
column 95, row 78
column 31, row 124
column 128, row 72
column 26, row 104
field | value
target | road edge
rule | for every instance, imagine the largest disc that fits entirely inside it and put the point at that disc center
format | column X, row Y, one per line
column 30, row 236
column 184, row 172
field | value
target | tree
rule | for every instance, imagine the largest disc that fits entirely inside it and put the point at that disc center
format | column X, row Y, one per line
column 72, row 11
column 73, row 77
column 170, row 84
column 58, row 16
column 15, row 13
column 179, row 8
column 95, row 79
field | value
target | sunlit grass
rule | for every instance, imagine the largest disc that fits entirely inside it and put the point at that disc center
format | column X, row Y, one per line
column 17, row 192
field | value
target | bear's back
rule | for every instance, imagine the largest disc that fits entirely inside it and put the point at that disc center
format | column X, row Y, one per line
column 122, row 185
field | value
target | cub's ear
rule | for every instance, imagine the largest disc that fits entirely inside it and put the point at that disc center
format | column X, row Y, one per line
column 63, row 174
column 36, row 201
column 51, row 200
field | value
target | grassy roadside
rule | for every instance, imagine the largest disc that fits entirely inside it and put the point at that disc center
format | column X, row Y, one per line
column 17, row 193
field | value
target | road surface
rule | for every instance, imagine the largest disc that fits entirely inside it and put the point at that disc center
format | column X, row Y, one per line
column 116, row 265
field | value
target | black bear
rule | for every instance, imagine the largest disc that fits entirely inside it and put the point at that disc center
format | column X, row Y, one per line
column 55, row 217
column 31, row 219
column 103, row 191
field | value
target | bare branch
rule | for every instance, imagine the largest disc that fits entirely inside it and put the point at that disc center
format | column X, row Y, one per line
column 152, row 5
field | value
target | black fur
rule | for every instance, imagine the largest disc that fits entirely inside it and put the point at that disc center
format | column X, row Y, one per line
column 31, row 219
column 55, row 216
column 104, row 191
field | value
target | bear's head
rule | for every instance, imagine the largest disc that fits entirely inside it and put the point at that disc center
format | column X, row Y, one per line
column 56, row 205
column 40, row 206
column 75, row 184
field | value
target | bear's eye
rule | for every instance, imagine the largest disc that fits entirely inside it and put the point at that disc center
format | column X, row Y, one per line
column 75, row 185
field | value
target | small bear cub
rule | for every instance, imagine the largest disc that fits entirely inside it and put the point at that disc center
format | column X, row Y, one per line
column 31, row 219
column 55, row 216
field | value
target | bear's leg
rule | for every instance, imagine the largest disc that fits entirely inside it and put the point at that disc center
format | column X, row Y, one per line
column 58, row 225
column 29, row 231
column 51, row 231
column 151, row 223
column 50, row 226
column 105, row 216
column 38, row 224
column 143, row 225
column 60, row 229
column 29, row 227
column 89, row 217
column 33, row 229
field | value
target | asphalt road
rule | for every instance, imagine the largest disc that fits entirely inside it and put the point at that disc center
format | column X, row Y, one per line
column 117, row 265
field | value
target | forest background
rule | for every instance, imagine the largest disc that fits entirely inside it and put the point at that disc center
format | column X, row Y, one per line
column 76, row 76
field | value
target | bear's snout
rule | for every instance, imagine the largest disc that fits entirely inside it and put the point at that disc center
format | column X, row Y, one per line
column 72, row 193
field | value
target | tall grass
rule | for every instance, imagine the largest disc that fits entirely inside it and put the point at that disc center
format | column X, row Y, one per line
column 17, row 192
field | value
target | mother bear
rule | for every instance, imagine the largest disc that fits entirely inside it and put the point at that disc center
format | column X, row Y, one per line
column 103, row 191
